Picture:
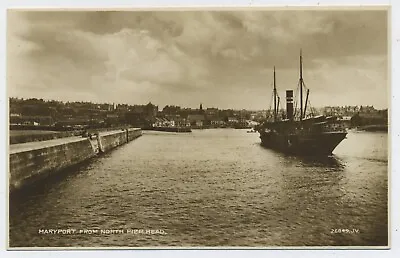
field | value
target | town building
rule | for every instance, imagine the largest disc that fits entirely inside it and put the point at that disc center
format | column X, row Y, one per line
column 196, row 120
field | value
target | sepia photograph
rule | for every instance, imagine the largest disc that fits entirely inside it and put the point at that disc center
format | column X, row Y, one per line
column 232, row 128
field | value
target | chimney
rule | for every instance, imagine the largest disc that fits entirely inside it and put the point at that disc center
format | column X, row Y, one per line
column 289, row 104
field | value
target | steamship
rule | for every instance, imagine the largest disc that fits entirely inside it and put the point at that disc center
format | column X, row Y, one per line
column 298, row 134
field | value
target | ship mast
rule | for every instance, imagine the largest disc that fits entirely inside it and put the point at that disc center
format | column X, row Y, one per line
column 305, row 105
column 301, row 87
column 275, row 111
column 277, row 106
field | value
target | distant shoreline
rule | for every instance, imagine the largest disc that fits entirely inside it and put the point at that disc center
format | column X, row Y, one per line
column 373, row 128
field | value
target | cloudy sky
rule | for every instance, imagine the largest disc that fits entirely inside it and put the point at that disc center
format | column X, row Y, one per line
column 223, row 59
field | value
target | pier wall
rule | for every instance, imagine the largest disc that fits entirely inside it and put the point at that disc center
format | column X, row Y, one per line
column 29, row 162
column 110, row 140
column 133, row 133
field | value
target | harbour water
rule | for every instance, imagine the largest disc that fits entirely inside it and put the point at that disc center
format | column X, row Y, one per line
column 215, row 188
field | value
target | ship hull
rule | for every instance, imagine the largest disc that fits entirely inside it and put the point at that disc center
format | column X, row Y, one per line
column 304, row 144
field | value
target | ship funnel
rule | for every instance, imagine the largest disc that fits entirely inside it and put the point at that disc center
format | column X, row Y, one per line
column 289, row 104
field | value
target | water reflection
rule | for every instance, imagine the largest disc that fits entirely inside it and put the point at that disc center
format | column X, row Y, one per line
column 323, row 162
